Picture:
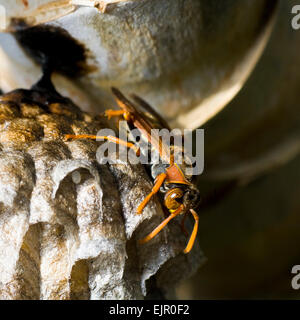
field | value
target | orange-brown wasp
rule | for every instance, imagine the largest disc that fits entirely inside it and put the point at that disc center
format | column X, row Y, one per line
column 180, row 194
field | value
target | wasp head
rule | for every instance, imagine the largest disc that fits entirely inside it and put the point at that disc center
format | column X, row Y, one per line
column 188, row 196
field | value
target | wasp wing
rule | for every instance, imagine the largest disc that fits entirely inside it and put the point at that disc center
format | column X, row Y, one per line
column 141, row 122
column 152, row 115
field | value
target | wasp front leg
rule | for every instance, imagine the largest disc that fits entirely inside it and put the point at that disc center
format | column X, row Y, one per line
column 158, row 183
column 167, row 220
column 162, row 225
column 194, row 233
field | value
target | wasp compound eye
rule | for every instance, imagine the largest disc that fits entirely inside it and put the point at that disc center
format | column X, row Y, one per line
column 172, row 197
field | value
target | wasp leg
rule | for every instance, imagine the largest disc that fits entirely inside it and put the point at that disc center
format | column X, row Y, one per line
column 113, row 113
column 159, row 181
column 161, row 226
column 116, row 113
column 194, row 233
column 183, row 226
column 108, row 138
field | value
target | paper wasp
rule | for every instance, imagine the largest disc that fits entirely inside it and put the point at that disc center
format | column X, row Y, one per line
column 179, row 193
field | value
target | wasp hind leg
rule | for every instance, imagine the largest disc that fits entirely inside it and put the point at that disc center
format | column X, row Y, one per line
column 116, row 113
column 108, row 138
column 113, row 113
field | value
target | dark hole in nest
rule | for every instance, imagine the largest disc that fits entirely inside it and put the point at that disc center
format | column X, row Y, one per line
column 55, row 47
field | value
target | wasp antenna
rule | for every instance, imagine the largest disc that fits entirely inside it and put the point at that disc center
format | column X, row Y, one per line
column 194, row 233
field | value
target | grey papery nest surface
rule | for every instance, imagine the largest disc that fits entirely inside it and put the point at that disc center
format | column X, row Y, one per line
column 68, row 226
